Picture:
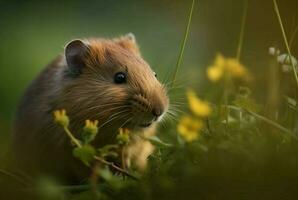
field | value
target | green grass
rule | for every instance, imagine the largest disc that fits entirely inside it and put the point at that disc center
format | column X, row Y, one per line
column 183, row 43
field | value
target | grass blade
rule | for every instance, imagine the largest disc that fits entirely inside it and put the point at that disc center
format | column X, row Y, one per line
column 182, row 47
column 272, row 123
column 241, row 35
column 285, row 39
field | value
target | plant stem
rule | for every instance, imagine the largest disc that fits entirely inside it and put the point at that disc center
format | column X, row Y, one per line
column 226, row 98
column 208, row 125
column 16, row 178
column 241, row 35
column 285, row 39
column 74, row 188
column 182, row 47
column 94, row 179
column 268, row 121
column 72, row 138
column 111, row 164
column 293, row 36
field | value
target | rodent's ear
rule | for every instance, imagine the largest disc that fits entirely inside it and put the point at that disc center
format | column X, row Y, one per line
column 75, row 52
column 131, row 37
column 129, row 42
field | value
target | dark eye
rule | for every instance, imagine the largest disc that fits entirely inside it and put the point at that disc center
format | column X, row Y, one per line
column 120, row 77
column 155, row 74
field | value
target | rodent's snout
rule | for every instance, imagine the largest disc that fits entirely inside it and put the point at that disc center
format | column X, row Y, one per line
column 158, row 111
column 152, row 107
column 147, row 110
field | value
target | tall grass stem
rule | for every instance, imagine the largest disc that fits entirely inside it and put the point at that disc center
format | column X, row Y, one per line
column 272, row 123
column 285, row 39
column 241, row 35
column 182, row 47
column 293, row 36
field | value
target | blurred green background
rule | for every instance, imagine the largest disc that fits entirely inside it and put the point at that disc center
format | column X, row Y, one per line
column 32, row 33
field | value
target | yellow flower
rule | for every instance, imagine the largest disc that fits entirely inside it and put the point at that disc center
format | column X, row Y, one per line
column 229, row 67
column 235, row 68
column 61, row 117
column 197, row 106
column 189, row 128
column 91, row 127
column 219, row 60
column 214, row 73
column 123, row 136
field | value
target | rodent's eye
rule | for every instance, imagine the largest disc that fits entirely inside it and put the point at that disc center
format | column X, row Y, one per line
column 155, row 74
column 120, row 77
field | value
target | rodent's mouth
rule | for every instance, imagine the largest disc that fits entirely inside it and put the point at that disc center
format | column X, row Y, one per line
column 146, row 122
column 139, row 125
column 145, row 125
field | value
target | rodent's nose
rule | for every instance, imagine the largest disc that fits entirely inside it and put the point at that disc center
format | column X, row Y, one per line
column 157, row 112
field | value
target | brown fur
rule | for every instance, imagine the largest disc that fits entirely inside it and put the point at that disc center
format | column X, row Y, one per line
column 42, row 146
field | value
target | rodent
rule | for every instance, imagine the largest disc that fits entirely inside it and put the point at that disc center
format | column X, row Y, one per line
column 97, row 79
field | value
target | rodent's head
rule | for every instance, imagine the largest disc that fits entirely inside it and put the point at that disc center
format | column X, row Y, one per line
column 111, row 82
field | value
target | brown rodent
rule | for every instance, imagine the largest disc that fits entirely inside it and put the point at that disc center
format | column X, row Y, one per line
column 98, row 79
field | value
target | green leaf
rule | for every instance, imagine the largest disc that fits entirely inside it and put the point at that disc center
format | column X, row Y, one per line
column 106, row 174
column 84, row 153
column 158, row 142
column 115, row 181
column 49, row 188
column 291, row 102
column 108, row 150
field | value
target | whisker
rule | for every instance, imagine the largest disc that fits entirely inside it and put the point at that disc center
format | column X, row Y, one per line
column 112, row 117
column 126, row 121
column 101, row 106
column 170, row 118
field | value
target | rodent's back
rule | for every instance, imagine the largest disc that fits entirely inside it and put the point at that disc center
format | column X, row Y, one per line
column 35, row 104
column 34, row 132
